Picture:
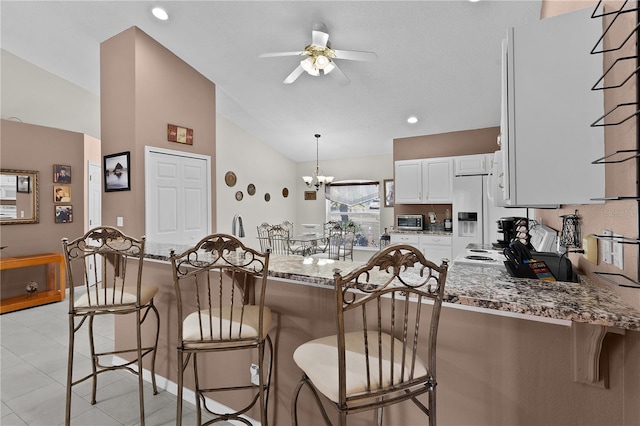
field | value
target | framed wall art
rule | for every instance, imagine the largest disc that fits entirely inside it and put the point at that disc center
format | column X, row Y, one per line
column 62, row 193
column 117, row 172
column 61, row 174
column 64, row 214
column 388, row 193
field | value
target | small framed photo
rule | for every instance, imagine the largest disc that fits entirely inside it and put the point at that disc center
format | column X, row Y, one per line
column 309, row 195
column 61, row 174
column 388, row 193
column 23, row 184
column 117, row 172
column 64, row 213
column 62, row 193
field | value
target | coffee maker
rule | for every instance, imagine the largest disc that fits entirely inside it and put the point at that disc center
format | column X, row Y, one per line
column 512, row 228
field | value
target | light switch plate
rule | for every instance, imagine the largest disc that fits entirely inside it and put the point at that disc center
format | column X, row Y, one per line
column 607, row 246
column 617, row 253
column 119, row 221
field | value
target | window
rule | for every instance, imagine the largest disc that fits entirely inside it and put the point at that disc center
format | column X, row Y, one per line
column 358, row 202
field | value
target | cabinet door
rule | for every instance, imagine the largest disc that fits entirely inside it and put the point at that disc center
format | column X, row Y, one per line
column 466, row 165
column 408, row 181
column 436, row 247
column 550, row 144
column 437, row 180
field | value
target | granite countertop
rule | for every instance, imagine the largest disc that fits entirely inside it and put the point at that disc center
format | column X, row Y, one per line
column 489, row 287
column 423, row 232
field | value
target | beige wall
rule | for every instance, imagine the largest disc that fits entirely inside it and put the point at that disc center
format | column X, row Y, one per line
column 18, row 145
column 144, row 87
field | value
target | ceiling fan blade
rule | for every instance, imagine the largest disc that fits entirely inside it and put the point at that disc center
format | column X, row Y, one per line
column 294, row 75
column 355, row 55
column 342, row 78
column 319, row 34
column 277, row 54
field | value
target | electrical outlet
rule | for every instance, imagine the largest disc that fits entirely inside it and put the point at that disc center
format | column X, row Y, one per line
column 254, row 370
column 617, row 254
column 607, row 246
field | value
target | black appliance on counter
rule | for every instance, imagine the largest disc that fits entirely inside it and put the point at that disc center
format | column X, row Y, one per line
column 512, row 229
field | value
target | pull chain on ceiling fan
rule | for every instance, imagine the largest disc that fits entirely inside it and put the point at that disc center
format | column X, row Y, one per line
column 320, row 57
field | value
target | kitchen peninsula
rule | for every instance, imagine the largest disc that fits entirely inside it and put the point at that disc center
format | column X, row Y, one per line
column 506, row 346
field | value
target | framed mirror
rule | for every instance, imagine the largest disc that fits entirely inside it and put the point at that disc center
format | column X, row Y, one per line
column 18, row 196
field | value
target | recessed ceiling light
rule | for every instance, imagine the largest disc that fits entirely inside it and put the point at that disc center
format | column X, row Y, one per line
column 160, row 13
column 412, row 120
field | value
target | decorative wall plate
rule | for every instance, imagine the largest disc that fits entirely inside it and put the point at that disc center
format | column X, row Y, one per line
column 230, row 179
column 267, row 197
column 239, row 195
column 251, row 189
column 285, row 192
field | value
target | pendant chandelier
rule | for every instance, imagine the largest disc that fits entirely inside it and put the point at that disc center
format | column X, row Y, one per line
column 318, row 179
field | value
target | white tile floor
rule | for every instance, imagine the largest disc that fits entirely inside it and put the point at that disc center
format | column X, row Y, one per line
column 33, row 373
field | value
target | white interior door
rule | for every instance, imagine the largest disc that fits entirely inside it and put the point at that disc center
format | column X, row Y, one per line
column 178, row 196
column 94, row 201
column 94, row 213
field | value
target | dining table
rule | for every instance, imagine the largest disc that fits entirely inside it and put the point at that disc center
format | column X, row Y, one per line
column 306, row 243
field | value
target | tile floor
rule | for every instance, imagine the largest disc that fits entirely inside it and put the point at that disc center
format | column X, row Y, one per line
column 33, row 372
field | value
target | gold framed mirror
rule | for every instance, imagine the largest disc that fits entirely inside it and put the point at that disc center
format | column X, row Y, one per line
column 19, row 196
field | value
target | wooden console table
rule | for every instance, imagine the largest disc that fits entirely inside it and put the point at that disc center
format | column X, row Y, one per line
column 56, row 278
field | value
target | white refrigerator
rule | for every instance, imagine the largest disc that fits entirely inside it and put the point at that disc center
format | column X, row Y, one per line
column 474, row 213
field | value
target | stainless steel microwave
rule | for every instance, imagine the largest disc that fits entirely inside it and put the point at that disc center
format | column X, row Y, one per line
column 410, row 222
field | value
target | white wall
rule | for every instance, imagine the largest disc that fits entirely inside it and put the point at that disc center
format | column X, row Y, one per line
column 253, row 162
column 36, row 96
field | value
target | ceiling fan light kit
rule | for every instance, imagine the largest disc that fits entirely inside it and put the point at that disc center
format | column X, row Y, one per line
column 321, row 58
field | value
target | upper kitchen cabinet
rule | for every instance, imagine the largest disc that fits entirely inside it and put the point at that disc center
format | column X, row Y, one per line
column 547, row 108
column 478, row 164
column 423, row 181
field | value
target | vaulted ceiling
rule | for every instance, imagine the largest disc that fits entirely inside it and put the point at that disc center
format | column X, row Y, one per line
column 437, row 60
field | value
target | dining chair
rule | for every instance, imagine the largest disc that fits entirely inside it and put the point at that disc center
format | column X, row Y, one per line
column 212, row 281
column 333, row 235
column 104, row 277
column 326, row 231
column 384, row 351
column 348, row 240
column 263, row 236
column 279, row 240
column 294, row 248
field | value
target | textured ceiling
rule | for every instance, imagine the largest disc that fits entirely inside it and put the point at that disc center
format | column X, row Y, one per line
column 438, row 60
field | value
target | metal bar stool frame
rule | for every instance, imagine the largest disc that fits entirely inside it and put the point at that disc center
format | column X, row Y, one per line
column 100, row 259
column 222, row 276
column 379, row 347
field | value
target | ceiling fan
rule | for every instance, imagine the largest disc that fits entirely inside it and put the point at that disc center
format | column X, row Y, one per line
column 320, row 57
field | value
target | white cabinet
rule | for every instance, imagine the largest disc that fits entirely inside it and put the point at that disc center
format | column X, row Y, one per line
column 428, row 180
column 437, row 180
column 436, row 247
column 411, row 239
column 547, row 141
column 477, row 164
column 408, row 182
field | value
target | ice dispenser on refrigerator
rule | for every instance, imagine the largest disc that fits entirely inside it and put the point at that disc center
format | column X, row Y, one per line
column 468, row 224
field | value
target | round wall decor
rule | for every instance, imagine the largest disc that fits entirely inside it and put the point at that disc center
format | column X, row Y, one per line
column 239, row 195
column 285, row 192
column 251, row 189
column 267, row 197
column 230, row 178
